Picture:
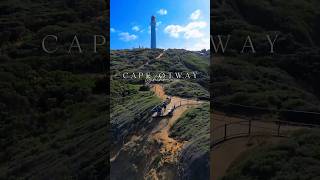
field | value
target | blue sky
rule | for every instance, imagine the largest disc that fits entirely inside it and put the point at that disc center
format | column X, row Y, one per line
column 180, row 23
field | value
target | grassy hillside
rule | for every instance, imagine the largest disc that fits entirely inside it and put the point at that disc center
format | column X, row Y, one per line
column 284, row 80
column 131, row 123
column 187, row 89
column 194, row 127
column 293, row 158
column 173, row 60
column 130, row 109
column 246, row 80
column 128, row 100
column 126, row 94
column 187, row 127
column 53, row 106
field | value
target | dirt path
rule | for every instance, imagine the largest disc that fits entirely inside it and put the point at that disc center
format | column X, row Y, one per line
column 160, row 55
column 169, row 147
column 223, row 155
column 147, row 63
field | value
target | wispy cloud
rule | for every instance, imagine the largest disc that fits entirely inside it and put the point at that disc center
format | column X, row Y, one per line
column 174, row 30
column 125, row 36
column 195, row 15
column 162, row 12
column 136, row 28
column 191, row 30
column 203, row 43
column 112, row 30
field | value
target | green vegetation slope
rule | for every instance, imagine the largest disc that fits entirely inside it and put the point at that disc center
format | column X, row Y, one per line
column 53, row 106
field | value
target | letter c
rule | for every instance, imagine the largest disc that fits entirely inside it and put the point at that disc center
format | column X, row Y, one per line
column 43, row 44
column 123, row 75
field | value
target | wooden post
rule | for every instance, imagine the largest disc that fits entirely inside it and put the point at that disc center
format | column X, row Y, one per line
column 225, row 131
column 249, row 131
column 279, row 124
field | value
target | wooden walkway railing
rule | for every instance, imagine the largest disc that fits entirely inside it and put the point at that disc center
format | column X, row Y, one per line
column 253, row 127
column 176, row 105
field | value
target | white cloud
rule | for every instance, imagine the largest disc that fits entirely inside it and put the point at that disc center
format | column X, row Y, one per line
column 162, row 12
column 174, row 30
column 125, row 36
column 136, row 28
column 159, row 23
column 193, row 33
column 191, row 30
column 203, row 43
column 112, row 30
column 195, row 15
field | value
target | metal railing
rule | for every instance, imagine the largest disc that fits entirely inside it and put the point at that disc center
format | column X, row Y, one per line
column 247, row 127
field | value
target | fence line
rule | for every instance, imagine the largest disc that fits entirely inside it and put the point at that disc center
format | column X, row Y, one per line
column 253, row 127
column 176, row 105
column 265, row 109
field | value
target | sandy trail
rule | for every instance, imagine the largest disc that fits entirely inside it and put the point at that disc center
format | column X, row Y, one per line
column 225, row 153
column 170, row 148
column 147, row 63
column 160, row 55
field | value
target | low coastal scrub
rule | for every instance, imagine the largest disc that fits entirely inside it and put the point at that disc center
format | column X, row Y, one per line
column 294, row 158
column 186, row 89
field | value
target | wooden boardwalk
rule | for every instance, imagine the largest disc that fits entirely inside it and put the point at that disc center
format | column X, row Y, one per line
column 171, row 107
